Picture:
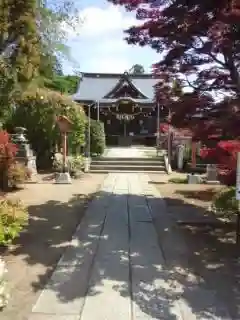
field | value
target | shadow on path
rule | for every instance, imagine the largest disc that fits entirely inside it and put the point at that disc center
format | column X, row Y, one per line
column 188, row 269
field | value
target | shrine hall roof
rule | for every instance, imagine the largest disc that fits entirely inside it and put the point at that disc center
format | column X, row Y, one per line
column 95, row 86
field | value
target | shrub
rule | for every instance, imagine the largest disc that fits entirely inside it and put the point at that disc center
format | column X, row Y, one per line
column 37, row 111
column 17, row 174
column 57, row 162
column 8, row 152
column 97, row 137
column 74, row 163
column 225, row 155
column 13, row 217
column 225, row 201
column 178, row 180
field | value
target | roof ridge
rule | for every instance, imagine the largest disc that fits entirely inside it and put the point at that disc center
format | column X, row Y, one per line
column 115, row 75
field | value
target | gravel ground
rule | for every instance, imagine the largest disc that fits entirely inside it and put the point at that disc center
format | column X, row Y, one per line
column 211, row 251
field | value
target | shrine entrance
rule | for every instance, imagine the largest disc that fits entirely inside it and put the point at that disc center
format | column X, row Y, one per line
column 125, row 103
column 127, row 123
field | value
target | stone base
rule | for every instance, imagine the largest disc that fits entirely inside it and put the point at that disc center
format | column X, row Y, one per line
column 194, row 179
column 63, row 178
column 87, row 163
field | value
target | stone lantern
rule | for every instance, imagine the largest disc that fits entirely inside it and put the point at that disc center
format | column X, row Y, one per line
column 25, row 153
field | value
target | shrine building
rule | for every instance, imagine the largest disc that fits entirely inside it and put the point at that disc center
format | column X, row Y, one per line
column 125, row 103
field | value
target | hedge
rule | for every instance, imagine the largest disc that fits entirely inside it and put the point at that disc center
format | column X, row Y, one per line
column 97, row 137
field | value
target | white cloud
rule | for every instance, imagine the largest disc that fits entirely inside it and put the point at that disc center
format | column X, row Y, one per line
column 95, row 22
column 107, row 64
column 98, row 43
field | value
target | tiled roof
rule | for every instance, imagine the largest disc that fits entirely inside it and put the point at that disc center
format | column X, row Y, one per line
column 94, row 87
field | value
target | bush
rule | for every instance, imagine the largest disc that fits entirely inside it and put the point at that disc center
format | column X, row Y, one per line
column 17, row 174
column 8, row 151
column 13, row 217
column 97, row 141
column 37, row 111
column 225, row 202
column 74, row 163
column 178, row 180
column 225, row 155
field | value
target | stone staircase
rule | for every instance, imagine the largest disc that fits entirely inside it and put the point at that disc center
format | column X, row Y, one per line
column 125, row 164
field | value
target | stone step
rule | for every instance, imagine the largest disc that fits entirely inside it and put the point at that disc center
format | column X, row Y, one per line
column 127, row 167
column 128, row 162
column 145, row 159
column 125, row 171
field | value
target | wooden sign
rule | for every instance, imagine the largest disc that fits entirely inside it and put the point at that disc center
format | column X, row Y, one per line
column 64, row 124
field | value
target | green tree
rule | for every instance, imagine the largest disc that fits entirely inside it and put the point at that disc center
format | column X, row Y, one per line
column 64, row 84
column 19, row 49
column 31, row 45
column 19, row 42
column 36, row 111
column 137, row 69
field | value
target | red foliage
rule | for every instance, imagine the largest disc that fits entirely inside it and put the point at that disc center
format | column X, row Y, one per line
column 8, row 150
column 164, row 127
column 198, row 42
column 225, row 155
column 189, row 35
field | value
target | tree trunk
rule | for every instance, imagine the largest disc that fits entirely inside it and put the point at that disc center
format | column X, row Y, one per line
column 234, row 74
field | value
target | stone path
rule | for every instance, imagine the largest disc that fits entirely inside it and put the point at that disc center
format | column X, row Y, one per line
column 114, row 268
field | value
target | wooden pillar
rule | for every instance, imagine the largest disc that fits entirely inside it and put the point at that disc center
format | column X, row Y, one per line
column 64, row 146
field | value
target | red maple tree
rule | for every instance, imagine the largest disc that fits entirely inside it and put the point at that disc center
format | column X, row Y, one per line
column 198, row 42
column 198, row 38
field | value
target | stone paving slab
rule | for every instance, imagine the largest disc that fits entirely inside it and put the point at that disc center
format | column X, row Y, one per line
column 109, row 283
column 115, row 269
column 150, row 283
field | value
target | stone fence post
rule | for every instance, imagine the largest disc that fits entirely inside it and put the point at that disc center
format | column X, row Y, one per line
column 180, row 156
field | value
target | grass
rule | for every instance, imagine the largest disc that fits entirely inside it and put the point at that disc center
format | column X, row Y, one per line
column 178, row 180
column 202, row 195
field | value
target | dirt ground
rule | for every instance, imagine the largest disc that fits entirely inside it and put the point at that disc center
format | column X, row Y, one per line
column 55, row 211
column 211, row 254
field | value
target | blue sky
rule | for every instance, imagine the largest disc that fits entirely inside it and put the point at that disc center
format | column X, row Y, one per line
column 97, row 44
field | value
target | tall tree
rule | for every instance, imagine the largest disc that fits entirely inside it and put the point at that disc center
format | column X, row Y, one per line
column 19, row 48
column 199, row 43
column 31, row 42
column 64, row 84
column 137, row 69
